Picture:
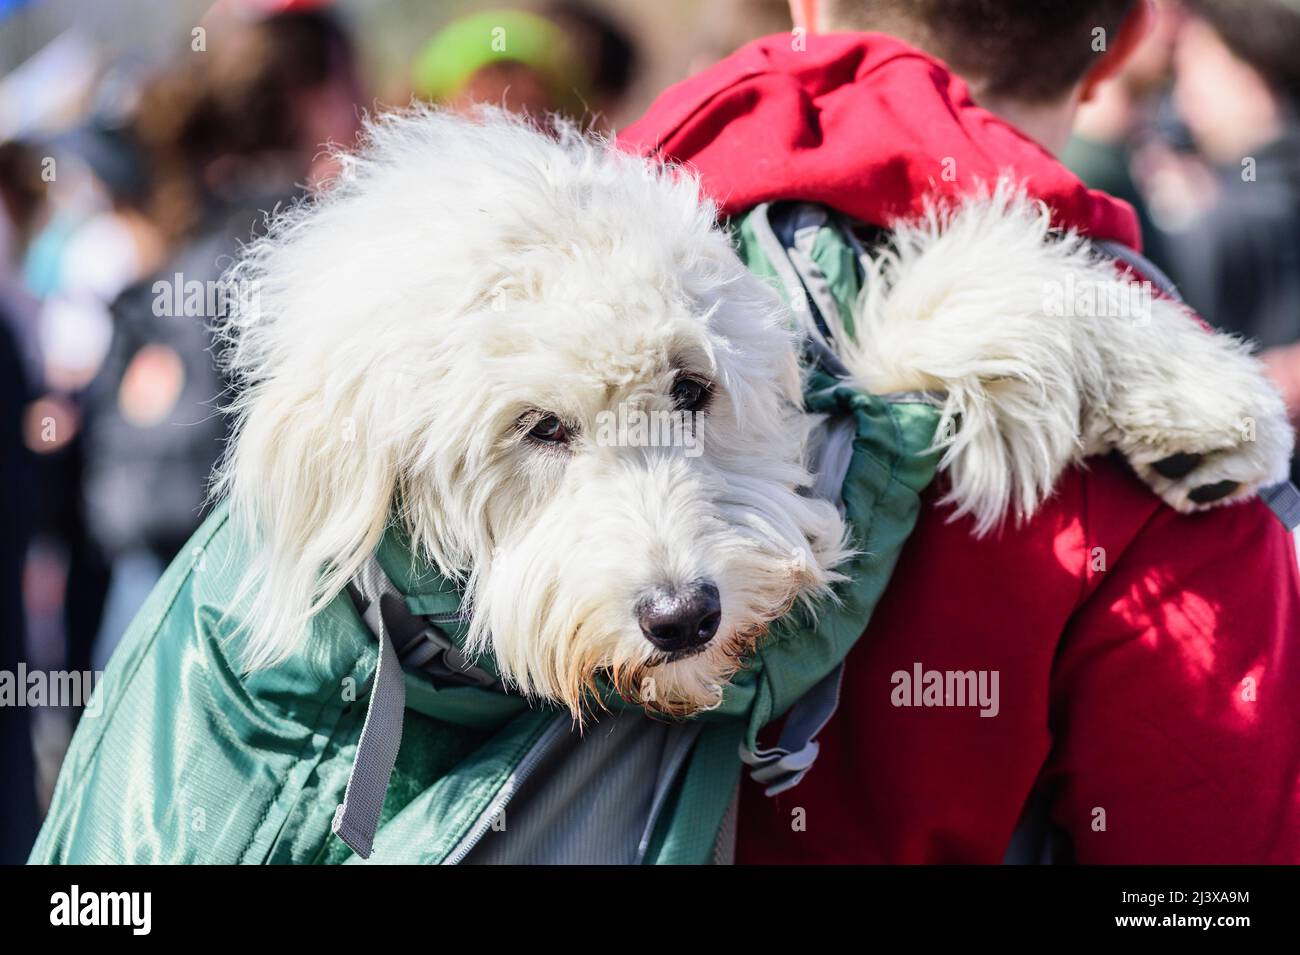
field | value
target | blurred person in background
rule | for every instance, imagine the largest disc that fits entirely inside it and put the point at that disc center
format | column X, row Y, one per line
column 18, row 821
column 233, row 131
column 520, row 61
column 21, row 199
column 733, row 23
column 46, row 525
column 1237, row 88
column 108, row 242
column 23, row 213
column 1118, row 124
column 609, row 50
column 121, row 239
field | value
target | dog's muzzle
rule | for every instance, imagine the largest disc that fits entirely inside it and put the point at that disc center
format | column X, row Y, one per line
column 681, row 621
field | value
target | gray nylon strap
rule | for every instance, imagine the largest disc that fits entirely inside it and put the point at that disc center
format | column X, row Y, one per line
column 831, row 454
column 1284, row 500
column 814, row 340
column 357, row 819
column 680, row 740
column 784, row 765
column 802, row 229
column 788, row 247
column 724, row 847
column 1140, row 264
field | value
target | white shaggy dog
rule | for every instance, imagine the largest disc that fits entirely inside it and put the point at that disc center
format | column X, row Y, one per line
column 441, row 338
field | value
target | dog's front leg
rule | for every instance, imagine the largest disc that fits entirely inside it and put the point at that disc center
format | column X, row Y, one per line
column 1191, row 409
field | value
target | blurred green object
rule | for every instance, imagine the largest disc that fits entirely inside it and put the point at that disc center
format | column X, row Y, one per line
column 479, row 40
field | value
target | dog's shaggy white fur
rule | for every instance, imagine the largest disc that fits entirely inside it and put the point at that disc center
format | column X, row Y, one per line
column 1047, row 352
column 461, row 282
column 436, row 339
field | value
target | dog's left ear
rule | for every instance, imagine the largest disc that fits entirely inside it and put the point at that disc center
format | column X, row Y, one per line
column 310, row 476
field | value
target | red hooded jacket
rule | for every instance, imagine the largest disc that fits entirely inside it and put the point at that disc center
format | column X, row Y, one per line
column 1146, row 689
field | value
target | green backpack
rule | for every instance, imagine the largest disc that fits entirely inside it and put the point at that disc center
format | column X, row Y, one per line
column 382, row 741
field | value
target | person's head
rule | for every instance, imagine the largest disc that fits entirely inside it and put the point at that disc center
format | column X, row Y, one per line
column 1238, row 73
column 1031, row 61
column 514, row 59
column 265, row 92
column 602, row 43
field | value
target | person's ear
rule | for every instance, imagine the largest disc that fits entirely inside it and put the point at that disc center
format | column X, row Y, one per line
column 804, row 14
column 1119, row 48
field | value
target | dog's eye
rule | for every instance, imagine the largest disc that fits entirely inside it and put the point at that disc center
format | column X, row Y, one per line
column 550, row 429
column 690, row 394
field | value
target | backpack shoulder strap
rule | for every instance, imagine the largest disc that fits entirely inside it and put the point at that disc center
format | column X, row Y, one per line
column 405, row 640
column 802, row 280
column 819, row 263
column 784, row 765
column 357, row 817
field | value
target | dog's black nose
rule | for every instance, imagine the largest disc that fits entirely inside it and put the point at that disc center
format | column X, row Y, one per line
column 676, row 619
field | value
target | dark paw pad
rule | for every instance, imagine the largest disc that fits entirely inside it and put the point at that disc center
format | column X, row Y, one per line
column 1209, row 493
column 1177, row 465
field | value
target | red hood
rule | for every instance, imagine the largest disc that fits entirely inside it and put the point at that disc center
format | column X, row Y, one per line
column 860, row 122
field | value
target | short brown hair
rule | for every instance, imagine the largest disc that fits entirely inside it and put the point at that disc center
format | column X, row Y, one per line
column 1033, row 50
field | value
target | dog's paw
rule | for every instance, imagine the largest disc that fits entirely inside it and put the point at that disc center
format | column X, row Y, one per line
column 1200, row 422
column 1189, row 481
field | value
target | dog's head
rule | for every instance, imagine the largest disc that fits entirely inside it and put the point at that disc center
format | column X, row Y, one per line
column 543, row 358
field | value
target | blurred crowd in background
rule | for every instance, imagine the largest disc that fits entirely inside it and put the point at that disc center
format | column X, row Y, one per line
column 141, row 143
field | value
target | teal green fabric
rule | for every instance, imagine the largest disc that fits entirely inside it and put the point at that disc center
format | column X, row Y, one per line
column 191, row 760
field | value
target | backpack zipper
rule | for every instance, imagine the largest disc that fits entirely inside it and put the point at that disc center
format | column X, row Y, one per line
column 552, row 734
